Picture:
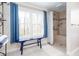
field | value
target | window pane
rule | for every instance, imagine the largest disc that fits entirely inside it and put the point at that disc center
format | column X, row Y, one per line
column 34, row 18
column 38, row 25
column 21, row 16
column 40, row 19
column 21, row 23
column 21, row 29
column 28, row 24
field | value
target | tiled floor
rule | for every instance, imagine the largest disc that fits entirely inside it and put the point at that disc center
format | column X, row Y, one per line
column 47, row 50
column 58, row 49
column 60, row 43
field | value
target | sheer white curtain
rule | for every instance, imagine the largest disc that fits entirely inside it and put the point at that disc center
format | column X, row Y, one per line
column 31, row 23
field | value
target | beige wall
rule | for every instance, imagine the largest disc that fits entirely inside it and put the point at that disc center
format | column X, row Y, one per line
column 72, row 30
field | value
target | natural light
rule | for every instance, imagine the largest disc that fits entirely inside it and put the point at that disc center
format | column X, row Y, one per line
column 31, row 23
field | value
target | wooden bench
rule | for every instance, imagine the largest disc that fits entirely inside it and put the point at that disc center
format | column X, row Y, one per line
column 23, row 40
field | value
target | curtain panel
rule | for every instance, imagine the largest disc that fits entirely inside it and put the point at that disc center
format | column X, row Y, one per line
column 14, row 22
column 45, row 24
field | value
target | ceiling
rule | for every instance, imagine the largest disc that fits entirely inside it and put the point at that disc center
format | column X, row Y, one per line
column 56, row 6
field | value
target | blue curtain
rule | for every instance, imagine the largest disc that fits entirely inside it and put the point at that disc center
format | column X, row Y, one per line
column 45, row 24
column 14, row 22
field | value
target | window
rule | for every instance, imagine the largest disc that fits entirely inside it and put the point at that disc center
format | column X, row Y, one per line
column 21, row 23
column 31, row 23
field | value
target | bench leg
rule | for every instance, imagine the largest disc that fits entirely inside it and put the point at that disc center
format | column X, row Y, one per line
column 6, row 50
column 37, row 42
column 40, row 43
column 21, row 48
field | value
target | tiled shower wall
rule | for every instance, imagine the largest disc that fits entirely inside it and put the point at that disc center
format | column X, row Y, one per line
column 62, row 23
column 59, row 23
column 55, row 23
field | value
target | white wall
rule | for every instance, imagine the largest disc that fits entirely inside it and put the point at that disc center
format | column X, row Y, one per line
column 72, row 30
column 50, row 26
